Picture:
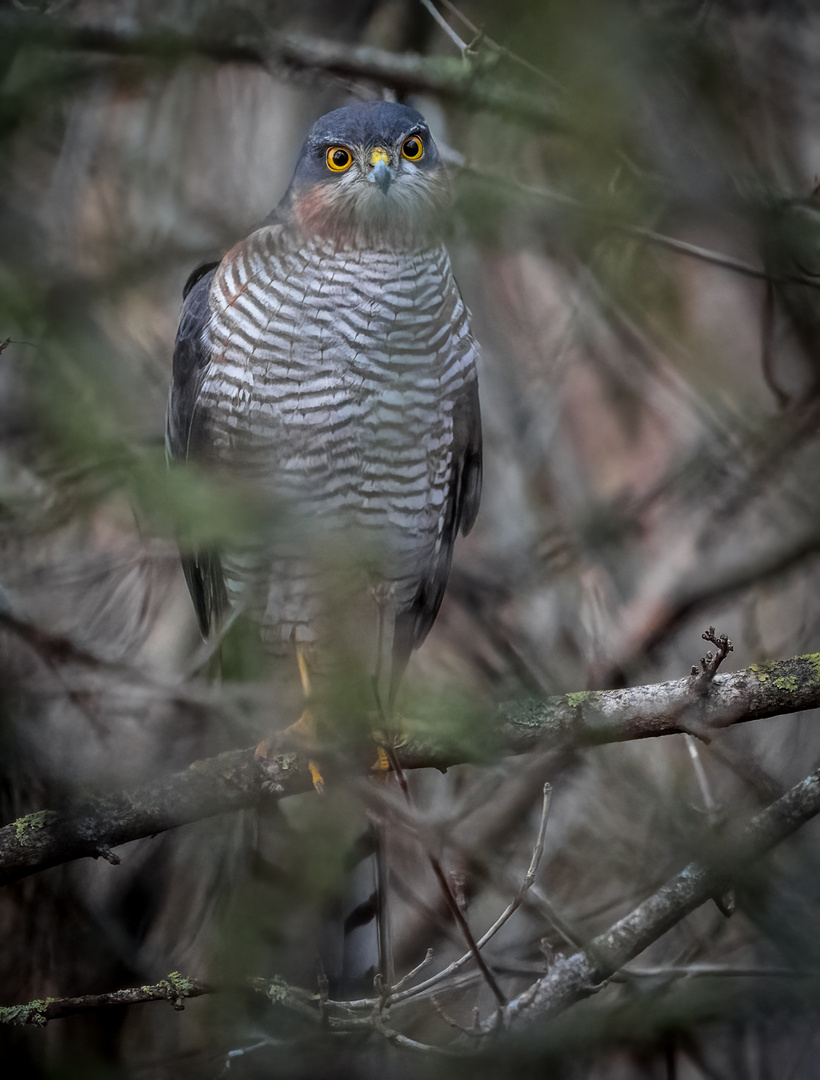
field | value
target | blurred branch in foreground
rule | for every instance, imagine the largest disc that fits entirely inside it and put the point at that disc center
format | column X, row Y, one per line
column 568, row 980
column 235, row 779
column 467, row 80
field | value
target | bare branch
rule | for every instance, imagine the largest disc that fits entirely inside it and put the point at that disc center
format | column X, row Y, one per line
column 467, row 79
column 481, row 38
column 584, row 973
column 613, row 223
column 442, row 976
column 722, row 971
column 428, row 959
column 570, row 978
column 445, row 26
column 450, row 898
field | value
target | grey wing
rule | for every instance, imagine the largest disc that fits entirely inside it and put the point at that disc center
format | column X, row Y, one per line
column 461, row 508
column 184, row 437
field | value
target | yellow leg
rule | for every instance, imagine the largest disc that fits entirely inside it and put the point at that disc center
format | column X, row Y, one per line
column 303, row 731
column 307, row 721
column 303, row 671
column 381, row 766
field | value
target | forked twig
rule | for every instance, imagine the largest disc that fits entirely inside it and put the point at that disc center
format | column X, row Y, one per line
column 511, row 908
column 428, row 959
column 710, row 663
column 496, row 46
column 449, row 896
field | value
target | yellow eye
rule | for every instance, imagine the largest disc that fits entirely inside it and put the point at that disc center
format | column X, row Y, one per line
column 338, row 159
column 413, row 149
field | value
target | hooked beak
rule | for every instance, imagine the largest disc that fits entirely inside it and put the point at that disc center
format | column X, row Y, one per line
column 380, row 173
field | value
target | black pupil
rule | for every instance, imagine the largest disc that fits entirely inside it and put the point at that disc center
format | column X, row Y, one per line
column 340, row 158
column 412, row 148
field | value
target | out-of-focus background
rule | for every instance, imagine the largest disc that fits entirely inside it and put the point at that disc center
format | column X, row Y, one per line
column 650, row 419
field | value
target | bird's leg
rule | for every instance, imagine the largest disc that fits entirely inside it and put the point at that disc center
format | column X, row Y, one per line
column 384, row 597
column 305, row 726
column 303, row 731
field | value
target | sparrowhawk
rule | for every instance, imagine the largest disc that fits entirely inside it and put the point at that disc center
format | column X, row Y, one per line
column 327, row 360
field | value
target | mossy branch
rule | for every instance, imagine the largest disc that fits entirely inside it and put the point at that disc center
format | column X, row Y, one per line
column 234, row 780
column 175, row 989
column 568, row 980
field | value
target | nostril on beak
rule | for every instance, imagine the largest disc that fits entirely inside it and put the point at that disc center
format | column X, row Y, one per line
column 380, row 174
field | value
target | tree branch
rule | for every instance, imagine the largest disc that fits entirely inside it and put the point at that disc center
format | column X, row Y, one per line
column 235, row 780
column 669, row 708
column 176, row 988
column 570, row 979
column 584, row 973
column 230, row 781
column 468, row 80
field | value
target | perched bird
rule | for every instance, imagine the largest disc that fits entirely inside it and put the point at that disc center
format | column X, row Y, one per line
column 327, row 361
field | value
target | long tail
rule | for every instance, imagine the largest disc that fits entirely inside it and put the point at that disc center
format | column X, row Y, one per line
column 355, row 945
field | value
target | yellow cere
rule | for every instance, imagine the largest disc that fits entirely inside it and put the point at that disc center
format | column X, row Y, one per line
column 379, row 154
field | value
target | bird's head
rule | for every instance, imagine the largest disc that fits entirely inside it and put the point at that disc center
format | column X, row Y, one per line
column 369, row 175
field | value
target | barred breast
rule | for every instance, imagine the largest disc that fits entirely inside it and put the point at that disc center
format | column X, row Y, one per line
column 331, row 384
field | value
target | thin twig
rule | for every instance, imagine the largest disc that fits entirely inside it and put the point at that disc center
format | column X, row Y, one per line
column 407, row 1043
column 511, row 908
column 449, row 1021
column 709, row 802
column 474, row 947
column 496, row 46
column 704, row 678
column 728, row 262
column 691, row 971
column 450, row 899
column 449, row 896
column 445, row 26
column 710, row 663
column 538, row 850
column 637, row 232
column 428, row 959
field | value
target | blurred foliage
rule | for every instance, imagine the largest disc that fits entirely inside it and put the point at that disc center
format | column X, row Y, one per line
column 650, row 417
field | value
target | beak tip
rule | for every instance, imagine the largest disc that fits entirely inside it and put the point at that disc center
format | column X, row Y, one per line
column 382, row 176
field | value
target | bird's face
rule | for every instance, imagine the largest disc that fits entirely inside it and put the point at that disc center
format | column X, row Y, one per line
column 370, row 176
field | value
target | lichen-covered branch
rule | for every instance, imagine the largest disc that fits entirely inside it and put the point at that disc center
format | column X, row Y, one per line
column 175, row 989
column 230, row 781
column 236, row 779
column 569, row 979
column 640, row 712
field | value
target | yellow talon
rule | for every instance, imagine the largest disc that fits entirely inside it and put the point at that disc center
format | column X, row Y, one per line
column 383, row 761
column 316, row 777
column 300, row 735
